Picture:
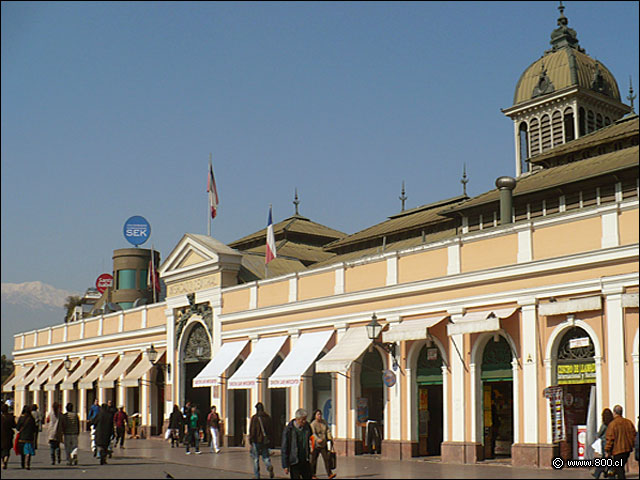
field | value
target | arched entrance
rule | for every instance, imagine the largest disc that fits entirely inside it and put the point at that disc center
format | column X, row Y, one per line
column 158, row 413
column 371, row 401
column 497, row 397
column 430, row 406
column 575, row 371
column 196, row 353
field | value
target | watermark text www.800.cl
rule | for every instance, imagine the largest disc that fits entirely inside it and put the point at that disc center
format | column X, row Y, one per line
column 558, row 463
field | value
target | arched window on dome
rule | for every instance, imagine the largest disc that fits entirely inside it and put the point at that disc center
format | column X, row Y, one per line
column 545, row 131
column 582, row 122
column 569, row 132
column 523, row 142
column 599, row 123
column 534, row 137
column 591, row 121
column 607, row 121
column 556, row 127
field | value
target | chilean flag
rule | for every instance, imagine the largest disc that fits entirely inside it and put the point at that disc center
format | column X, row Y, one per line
column 213, row 192
column 270, row 252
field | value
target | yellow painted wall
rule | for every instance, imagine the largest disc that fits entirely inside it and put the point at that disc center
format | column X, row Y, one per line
column 363, row 277
column 132, row 321
column 315, row 286
column 17, row 343
column 91, row 328
column 74, row 331
column 275, row 293
column 628, row 221
column 57, row 334
column 110, row 325
column 564, row 239
column 631, row 320
column 43, row 338
column 156, row 316
column 492, row 252
column 235, row 301
column 423, row 265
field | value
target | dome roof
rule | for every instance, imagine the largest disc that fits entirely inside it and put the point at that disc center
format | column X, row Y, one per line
column 564, row 65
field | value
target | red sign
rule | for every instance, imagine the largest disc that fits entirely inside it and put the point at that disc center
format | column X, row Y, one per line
column 103, row 282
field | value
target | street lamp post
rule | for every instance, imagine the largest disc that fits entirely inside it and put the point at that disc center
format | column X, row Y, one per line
column 153, row 357
column 373, row 331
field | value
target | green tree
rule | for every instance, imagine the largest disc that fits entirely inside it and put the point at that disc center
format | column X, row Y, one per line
column 70, row 304
column 7, row 368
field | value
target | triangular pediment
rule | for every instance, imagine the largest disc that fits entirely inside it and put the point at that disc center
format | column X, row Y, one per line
column 192, row 258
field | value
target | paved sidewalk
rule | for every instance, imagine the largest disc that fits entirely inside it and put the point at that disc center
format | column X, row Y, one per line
column 154, row 458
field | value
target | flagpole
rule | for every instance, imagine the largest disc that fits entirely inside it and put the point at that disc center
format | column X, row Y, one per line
column 208, row 203
column 153, row 275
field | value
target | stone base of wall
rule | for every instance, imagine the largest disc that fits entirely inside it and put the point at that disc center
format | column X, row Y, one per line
column 461, row 452
column 392, row 449
column 347, row 446
column 533, row 455
column 409, row 449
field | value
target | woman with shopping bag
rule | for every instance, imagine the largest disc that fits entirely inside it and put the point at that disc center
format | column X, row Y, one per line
column 598, row 444
column 320, row 445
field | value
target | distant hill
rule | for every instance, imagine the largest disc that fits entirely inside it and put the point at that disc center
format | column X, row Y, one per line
column 28, row 306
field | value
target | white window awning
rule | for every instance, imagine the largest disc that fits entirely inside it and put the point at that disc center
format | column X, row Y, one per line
column 476, row 322
column 211, row 373
column 20, row 373
column 144, row 365
column 353, row 344
column 33, row 374
column 78, row 373
column 263, row 352
column 410, row 329
column 45, row 375
column 59, row 377
column 109, row 380
column 93, row 375
column 306, row 349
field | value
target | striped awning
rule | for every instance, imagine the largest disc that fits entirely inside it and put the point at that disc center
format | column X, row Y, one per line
column 78, row 373
column 19, row 374
column 125, row 361
column 59, row 377
column 103, row 365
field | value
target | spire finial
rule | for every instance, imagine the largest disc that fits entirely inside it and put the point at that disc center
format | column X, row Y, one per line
column 464, row 180
column 631, row 97
column 296, row 202
column 402, row 197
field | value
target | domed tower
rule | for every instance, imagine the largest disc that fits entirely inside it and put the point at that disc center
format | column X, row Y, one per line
column 563, row 95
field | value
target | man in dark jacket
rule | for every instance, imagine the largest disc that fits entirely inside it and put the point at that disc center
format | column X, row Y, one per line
column 296, row 446
column 261, row 439
column 104, row 432
column 8, row 426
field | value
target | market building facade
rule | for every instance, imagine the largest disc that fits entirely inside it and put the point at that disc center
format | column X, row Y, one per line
column 486, row 306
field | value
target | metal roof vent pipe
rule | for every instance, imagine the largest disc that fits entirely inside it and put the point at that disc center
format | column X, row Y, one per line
column 506, row 185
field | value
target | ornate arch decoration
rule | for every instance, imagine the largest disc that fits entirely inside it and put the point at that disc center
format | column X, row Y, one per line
column 558, row 332
column 196, row 345
column 477, row 351
column 184, row 315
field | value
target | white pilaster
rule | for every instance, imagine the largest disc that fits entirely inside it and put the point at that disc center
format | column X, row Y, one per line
column 121, row 322
column 525, row 244
column 392, row 269
column 529, row 350
column 341, row 400
column 516, row 400
column 143, row 322
column 293, row 288
column 476, row 406
column 253, row 296
column 457, row 386
column 453, row 254
column 615, row 344
column 445, row 404
column 339, row 282
column 610, row 229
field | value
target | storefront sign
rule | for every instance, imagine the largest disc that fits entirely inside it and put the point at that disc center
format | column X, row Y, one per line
column 579, row 342
column 389, row 378
column 103, row 282
column 556, row 404
column 577, row 373
column 136, row 230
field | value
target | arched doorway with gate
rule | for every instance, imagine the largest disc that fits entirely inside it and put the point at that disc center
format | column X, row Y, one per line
column 195, row 354
column 429, row 400
column 370, row 401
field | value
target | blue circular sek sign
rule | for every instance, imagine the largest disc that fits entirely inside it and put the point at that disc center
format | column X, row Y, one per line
column 137, row 230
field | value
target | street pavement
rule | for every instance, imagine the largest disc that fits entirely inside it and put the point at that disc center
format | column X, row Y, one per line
column 154, row 458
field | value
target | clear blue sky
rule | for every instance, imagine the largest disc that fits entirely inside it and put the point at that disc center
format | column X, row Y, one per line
column 111, row 109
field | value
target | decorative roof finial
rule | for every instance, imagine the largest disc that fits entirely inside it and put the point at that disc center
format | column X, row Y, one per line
column 402, row 197
column 631, row 97
column 464, row 180
column 296, row 202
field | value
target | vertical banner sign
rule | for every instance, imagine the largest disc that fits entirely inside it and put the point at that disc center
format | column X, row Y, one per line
column 363, row 410
column 556, row 404
column 137, row 230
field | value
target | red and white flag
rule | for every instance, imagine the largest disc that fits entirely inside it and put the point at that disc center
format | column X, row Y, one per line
column 153, row 279
column 270, row 252
column 213, row 192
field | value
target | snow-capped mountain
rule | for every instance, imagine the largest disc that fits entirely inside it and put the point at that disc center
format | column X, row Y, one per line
column 29, row 306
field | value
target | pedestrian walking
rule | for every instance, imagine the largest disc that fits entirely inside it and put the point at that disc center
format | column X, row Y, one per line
column 120, row 420
column 620, row 437
column 261, row 439
column 213, row 422
column 320, row 444
column 37, row 416
column 112, row 411
column 607, row 417
column 6, row 434
column 54, row 424
column 91, row 417
column 104, row 432
column 296, row 446
column 71, row 430
column 176, row 425
column 27, row 429
column 193, row 435
column 186, row 413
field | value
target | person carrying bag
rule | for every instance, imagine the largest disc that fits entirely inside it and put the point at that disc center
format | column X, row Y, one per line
column 319, row 445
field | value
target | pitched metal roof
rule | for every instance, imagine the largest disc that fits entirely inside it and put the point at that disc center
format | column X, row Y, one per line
column 253, row 263
column 302, row 252
column 546, row 178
